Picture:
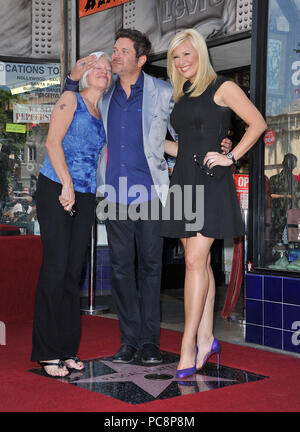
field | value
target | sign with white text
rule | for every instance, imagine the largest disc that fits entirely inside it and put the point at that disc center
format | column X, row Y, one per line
column 242, row 188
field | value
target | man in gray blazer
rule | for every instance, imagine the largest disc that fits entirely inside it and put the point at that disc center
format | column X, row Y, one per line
column 136, row 115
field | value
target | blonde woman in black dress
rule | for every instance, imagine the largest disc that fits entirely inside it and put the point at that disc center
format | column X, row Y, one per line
column 201, row 117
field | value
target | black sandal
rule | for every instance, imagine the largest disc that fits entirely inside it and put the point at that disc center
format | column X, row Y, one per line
column 76, row 360
column 59, row 364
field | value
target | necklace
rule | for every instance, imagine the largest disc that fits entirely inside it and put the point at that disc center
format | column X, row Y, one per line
column 91, row 108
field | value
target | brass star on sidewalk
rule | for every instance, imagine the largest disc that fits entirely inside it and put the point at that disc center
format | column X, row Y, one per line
column 155, row 386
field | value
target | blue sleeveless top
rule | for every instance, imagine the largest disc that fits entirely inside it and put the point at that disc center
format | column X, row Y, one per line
column 81, row 144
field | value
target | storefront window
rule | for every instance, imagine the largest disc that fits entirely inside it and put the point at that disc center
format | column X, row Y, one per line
column 282, row 139
column 28, row 93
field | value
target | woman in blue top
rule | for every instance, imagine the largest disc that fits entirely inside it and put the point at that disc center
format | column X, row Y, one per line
column 65, row 199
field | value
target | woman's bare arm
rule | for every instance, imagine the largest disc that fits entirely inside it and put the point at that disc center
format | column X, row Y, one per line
column 61, row 118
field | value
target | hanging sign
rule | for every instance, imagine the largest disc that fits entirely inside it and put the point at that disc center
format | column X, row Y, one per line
column 88, row 7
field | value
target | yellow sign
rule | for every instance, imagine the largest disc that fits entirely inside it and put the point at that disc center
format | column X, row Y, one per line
column 88, row 7
column 16, row 128
column 36, row 85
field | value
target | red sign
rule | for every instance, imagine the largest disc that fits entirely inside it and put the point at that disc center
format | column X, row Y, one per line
column 242, row 188
column 88, row 7
column 269, row 137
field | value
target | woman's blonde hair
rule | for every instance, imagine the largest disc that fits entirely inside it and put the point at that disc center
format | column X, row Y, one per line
column 83, row 82
column 205, row 73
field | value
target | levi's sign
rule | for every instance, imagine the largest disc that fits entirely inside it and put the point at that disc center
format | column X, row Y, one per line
column 174, row 14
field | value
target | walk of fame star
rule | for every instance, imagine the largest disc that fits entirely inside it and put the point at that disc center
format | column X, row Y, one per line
column 135, row 383
column 138, row 375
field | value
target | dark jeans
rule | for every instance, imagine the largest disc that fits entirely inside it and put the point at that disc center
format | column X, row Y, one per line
column 135, row 249
column 56, row 327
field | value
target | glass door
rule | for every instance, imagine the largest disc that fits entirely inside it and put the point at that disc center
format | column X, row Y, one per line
column 282, row 139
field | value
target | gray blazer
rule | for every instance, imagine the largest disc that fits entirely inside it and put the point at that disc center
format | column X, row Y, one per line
column 157, row 106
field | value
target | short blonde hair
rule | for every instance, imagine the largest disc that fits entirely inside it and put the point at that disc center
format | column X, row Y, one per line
column 205, row 73
column 83, row 82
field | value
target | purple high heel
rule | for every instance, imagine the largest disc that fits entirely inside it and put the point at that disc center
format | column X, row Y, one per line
column 183, row 373
column 215, row 349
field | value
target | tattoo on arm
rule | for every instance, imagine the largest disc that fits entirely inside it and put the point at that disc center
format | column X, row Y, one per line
column 62, row 106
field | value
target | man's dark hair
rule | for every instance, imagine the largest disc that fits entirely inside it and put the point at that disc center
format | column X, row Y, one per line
column 142, row 44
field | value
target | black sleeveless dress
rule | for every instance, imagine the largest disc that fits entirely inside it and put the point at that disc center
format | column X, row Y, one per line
column 198, row 202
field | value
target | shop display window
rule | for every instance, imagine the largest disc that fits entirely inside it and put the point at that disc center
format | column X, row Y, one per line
column 282, row 139
column 28, row 93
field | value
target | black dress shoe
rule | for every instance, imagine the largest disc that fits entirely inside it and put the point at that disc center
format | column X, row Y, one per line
column 150, row 354
column 125, row 354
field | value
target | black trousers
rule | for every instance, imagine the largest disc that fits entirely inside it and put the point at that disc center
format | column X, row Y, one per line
column 56, row 327
column 135, row 249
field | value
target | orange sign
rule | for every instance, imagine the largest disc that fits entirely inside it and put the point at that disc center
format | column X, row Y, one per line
column 88, row 7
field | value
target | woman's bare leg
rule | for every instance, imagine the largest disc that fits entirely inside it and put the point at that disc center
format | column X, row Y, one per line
column 205, row 330
column 196, row 288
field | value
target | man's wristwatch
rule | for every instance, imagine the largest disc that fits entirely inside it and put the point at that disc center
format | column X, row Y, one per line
column 231, row 157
